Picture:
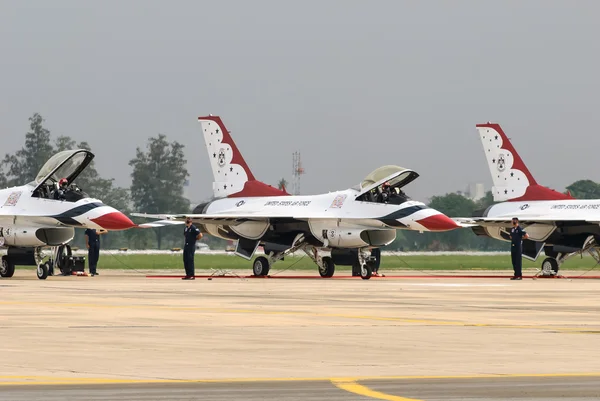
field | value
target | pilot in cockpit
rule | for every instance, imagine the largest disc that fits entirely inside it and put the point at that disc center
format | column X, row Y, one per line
column 386, row 193
column 60, row 192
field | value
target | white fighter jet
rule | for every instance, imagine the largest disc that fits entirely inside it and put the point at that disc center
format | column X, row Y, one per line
column 346, row 224
column 557, row 223
column 41, row 214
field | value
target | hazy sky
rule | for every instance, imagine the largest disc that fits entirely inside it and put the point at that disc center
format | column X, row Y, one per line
column 352, row 85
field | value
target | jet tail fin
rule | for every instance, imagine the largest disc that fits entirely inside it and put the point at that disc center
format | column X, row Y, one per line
column 232, row 176
column 512, row 179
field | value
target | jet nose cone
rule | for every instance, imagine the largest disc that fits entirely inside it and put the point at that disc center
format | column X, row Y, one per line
column 114, row 221
column 438, row 222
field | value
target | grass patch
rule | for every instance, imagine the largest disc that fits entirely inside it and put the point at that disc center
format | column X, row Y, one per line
column 116, row 260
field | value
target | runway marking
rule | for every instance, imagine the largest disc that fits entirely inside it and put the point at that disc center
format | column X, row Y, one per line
column 430, row 322
column 353, row 387
column 451, row 285
column 50, row 380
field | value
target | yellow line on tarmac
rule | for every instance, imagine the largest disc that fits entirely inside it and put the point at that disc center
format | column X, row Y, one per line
column 57, row 380
column 354, row 387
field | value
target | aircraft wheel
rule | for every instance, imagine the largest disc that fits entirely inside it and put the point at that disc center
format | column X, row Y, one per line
column 42, row 271
column 260, row 267
column 366, row 271
column 7, row 268
column 356, row 269
column 328, row 267
column 550, row 266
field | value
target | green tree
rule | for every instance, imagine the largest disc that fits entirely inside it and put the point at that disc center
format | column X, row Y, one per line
column 23, row 166
column 485, row 202
column 158, row 178
column 63, row 143
column 3, row 180
column 585, row 189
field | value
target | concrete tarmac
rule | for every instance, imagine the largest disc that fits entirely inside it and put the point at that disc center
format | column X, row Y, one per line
column 121, row 332
column 482, row 389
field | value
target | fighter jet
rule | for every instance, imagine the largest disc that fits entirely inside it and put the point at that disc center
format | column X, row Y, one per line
column 43, row 213
column 557, row 223
column 344, row 224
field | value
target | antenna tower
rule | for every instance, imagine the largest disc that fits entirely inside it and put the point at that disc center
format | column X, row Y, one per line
column 297, row 171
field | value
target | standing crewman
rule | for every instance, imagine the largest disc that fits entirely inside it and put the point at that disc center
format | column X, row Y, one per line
column 92, row 241
column 191, row 235
column 517, row 234
column 376, row 253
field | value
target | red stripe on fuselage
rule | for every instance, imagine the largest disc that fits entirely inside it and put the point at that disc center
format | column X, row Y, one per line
column 257, row 188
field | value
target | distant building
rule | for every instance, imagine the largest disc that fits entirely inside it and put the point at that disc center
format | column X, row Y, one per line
column 475, row 191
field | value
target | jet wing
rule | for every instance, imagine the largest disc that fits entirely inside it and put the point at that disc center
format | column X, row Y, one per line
column 231, row 219
column 464, row 221
column 504, row 221
column 175, row 219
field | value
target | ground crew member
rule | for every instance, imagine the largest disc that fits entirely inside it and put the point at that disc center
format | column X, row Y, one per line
column 191, row 235
column 516, row 248
column 92, row 241
column 377, row 254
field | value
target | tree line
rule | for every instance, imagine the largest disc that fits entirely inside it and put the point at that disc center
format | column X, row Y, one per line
column 158, row 176
column 157, row 183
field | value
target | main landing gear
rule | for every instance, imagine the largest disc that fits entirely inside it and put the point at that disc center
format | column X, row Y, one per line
column 551, row 264
column 325, row 264
column 261, row 266
column 24, row 257
column 550, row 267
column 7, row 267
column 60, row 257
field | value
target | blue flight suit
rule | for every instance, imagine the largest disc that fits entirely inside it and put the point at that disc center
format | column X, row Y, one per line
column 516, row 249
column 94, row 249
column 189, row 249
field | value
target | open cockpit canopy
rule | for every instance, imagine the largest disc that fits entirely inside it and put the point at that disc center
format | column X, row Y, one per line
column 396, row 176
column 66, row 164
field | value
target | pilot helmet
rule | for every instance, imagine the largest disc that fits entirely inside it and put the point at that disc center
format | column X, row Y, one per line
column 63, row 182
